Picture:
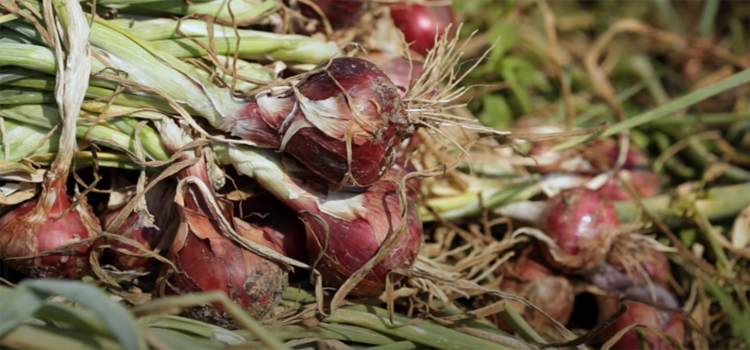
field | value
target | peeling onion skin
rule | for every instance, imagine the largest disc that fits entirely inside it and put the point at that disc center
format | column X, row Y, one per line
column 318, row 139
column 421, row 24
column 670, row 323
column 534, row 282
column 352, row 243
column 23, row 235
column 280, row 222
column 583, row 224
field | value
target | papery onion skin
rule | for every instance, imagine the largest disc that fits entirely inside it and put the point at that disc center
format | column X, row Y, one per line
column 23, row 234
column 530, row 280
column 583, row 224
column 421, row 24
column 670, row 323
column 317, row 138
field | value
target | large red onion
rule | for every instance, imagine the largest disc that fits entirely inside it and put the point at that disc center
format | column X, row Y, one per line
column 670, row 323
column 532, row 281
column 351, row 103
column 160, row 204
column 207, row 260
column 348, row 227
column 421, row 24
column 583, row 225
column 340, row 13
column 28, row 231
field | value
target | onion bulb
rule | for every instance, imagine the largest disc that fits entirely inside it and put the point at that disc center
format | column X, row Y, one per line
column 29, row 230
column 343, row 123
column 670, row 323
column 583, row 225
column 207, row 260
column 340, row 13
column 421, row 24
column 535, row 283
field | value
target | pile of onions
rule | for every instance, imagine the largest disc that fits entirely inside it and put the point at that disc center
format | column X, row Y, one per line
column 670, row 323
column 41, row 226
column 532, row 281
column 156, row 235
column 583, row 225
column 421, row 24
column 343, row 123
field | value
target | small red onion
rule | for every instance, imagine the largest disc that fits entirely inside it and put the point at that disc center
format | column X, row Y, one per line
column 583, row 224
column 28, row 230
column 160, row 204
column 534, row 282
column 421, row 24
column 670, row 323
column 316, row 125
column 340, row 13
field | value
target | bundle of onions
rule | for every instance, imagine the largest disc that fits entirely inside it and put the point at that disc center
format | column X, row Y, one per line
column 152, row 226
column 50, row 236
column 581, row 226
column 343, row 122
column 532, row 281
column 206, row 257
column 421, row 24
column 672, row 324
column 345, row 230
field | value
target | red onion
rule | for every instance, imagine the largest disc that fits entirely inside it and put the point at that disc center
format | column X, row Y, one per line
column 670, row 323
column 29, row 230
column 421, row 24
column 205, row 258
column 340, row 13
column 534, row 282
column 317, row 124
column 159, row 202
column 583, row 225
column 349, row 227
column 631, row 267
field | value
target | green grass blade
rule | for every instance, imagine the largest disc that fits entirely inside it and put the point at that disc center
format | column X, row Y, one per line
column 688, row 100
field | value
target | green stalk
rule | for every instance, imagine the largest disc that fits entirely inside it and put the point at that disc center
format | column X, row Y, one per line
column 468, row 204
column 717, row 203
column 26, row 336
column 688, row 100
column 14, row 96
column 519, row 325
column 708, row 17
column 85, row 158
column 245, row 12
column 47, row 116
column 21, row 138
column 255, row 48
column 402, row 345
column 425, row 333
column 327, row 331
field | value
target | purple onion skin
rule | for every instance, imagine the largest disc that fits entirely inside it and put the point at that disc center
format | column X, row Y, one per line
column 583, row 224
column 280, row 222
column 373, row 141
column 22, row 236
column 397, row 69
column 340, row 13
